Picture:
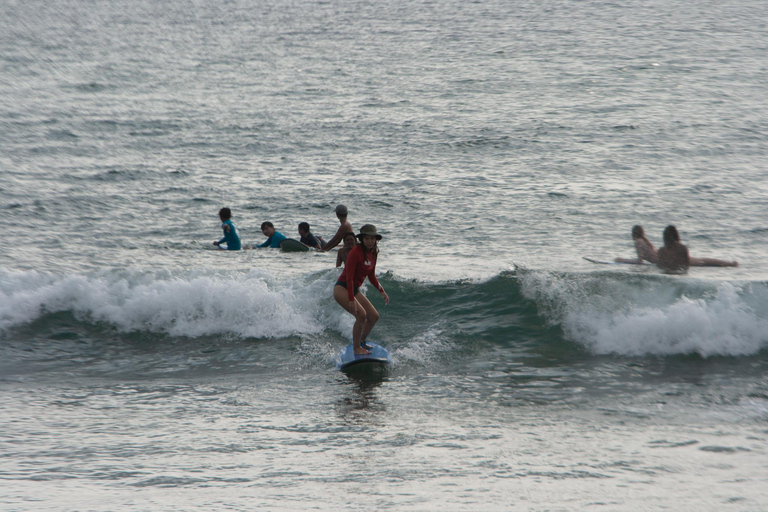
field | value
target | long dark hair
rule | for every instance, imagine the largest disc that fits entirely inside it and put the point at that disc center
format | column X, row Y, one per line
column 375, row 250
column 671, row 235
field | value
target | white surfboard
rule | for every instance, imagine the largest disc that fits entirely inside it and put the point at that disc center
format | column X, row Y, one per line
column 607, row 262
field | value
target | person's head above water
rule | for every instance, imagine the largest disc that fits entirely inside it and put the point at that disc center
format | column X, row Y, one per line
column 341, row 210
column 369, row 238
column 671, row 235
column 303, row 228
column 350, row 239
column 368, row 230
column 268, row 228
column 637, row 231
column 225, row 214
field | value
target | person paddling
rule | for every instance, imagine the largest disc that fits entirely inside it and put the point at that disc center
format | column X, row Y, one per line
column 361, row 263
column 645, row 249
column 673, row 257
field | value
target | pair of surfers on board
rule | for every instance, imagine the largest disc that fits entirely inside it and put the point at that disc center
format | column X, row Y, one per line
column 672, row 257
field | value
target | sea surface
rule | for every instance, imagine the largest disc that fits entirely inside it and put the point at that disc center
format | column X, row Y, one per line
column 494, row 144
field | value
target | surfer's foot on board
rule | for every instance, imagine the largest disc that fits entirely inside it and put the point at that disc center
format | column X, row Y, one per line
column 362, row 352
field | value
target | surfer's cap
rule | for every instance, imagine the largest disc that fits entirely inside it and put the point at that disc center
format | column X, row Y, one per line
column 341, row 210
column 369, row 230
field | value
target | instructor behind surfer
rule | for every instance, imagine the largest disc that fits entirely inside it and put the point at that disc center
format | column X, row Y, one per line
column 345, row 227
column 361, row 263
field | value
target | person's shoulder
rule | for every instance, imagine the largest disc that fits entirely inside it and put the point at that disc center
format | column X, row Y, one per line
column 355, row 251
column 643, row 241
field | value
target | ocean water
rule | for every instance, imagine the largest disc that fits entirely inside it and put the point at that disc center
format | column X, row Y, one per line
column 494, row 145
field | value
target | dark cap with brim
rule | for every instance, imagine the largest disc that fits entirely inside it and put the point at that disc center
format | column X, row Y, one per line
column 369, row 230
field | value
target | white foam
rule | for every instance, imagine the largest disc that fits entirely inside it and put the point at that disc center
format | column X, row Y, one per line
column 423, row 349
column 195, row 303
column 657, row 316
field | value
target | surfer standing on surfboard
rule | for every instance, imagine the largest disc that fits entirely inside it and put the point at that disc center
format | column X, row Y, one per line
column 361, row 263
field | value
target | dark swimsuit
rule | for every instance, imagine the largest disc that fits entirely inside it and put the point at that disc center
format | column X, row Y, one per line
column 342, row 283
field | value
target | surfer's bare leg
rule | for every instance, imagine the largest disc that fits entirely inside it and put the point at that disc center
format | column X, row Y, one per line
column 358, row 311
column 371, row 315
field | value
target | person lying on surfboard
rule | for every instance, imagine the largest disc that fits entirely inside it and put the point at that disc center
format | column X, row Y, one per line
column 231, row 238
column 645, row 249
column 673, row 257
column 361, row 263
column 307, row 238
column 273, row 237
column 647, row 252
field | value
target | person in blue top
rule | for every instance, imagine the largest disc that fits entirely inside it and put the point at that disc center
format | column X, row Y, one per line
column 231, row 238
column 273, row 237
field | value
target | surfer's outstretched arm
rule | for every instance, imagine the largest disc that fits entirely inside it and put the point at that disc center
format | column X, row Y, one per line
column 712, row 262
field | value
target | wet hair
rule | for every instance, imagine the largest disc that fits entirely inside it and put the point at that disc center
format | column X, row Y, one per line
column 637, row 231
column 304, row 226
column 266, row 224
column 225, row 213
column 671, row 235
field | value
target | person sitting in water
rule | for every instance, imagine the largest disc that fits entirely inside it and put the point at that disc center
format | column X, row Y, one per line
column 350, row 241
column 307, row 238
column 231, row 238
column 273, row 237
column 645, row 249
column 345, row 227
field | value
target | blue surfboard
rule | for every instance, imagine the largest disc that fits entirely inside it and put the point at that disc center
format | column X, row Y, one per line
column 378, row 358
